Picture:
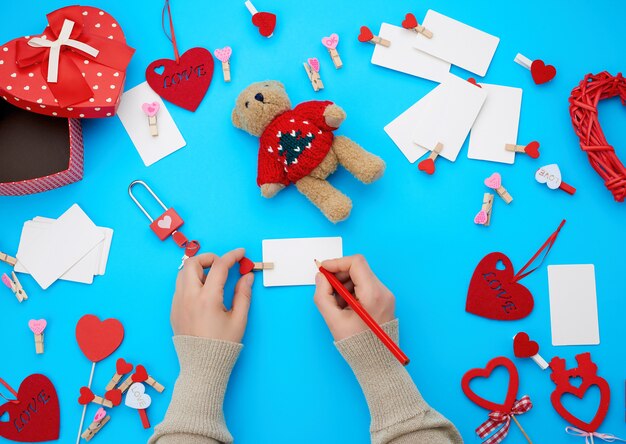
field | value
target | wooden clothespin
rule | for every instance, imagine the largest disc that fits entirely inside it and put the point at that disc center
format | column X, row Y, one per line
column 37, row 326
column 15, row 285
column 484, row 215
column 87, row 396
column 331, row 43
column 367, row 36
column 126, row 384
column 428, row 165
column 265, row 21
column 223, row 55
column 495, row 182
column 523, row 347
column 532, row 149
column 410, row 22
column 99, row 420
column 8, row 259
column 141, row 375
column 246, row 266
column 121, row 368
column 151, row 110
column 541, row 72
column 312, row 68
column 551, row 176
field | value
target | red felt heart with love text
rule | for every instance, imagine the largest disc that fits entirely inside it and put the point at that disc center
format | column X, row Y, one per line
column 266, row 22
column 511, row 392
column 245, row 266
column 86, row 396
column 427, row 166
column 409, row 21
column 532, row 149
column 140, row 375
column 35, row 417
column 365, row 35
column 541, row 72
column 184, row 83
column 523, row 347
column 115, row 396
column 493, row 294
column 122, row 367
column 98, row 339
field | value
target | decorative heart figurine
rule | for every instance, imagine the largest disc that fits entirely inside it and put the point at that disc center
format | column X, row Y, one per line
column 314, row 63
column 481, row 217
column 115, row 396
column 494, row 181
column 184, row 83
column 409, row 21
column 151, row 109
column 122, row 367
column 165, row 223
column 331, row 41
column 98, row 339
column 100, row 415
column 37, row 326
column 532, row 149
column 245, row 266
column 541, row 72
column 266, row 22
column 140, row 374
column 511, row 392
column 35, row 417
column 427, row 166
column 86, row 396
column 493, row 294
column 550, row 175
column 223, row 54
column 523, row 347
column 365, row 35
column 136, row 397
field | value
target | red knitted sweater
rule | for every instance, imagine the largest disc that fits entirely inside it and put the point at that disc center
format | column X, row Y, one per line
column 294, row 144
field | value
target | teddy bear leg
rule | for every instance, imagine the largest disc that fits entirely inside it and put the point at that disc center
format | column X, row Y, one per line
column 335, row 205
column 363, row 165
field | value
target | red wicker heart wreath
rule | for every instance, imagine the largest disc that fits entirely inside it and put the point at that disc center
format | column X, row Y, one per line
column 584, row 112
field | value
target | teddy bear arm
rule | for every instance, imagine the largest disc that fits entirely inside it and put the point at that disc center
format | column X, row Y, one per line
column 316, row 112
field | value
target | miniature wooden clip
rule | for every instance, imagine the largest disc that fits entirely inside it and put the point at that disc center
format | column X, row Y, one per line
column 312, row 68
column 7, row 259
column 551, row 176
column 532, row 149
column 331, row 43
column 483, row 217
column 141, row 375
column 428, row 165
column 37, row 326
column 151, row 110
column 15, row 285
column 87, row 396
column 246, row 266
column 540, row 72
column 223, row 55
column 264, row 21
column 523, row 347
column 495, row 182
column 121, row 368
column 367, row 36
column 99, row 421
column 410, row 22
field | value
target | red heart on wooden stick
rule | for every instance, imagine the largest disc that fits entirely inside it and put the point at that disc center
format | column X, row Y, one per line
column 523, row 347
column 184, row 83
column 86, row 396
column 493, row 294
column 532, row 149
column 140, row 375
column 35, row 417
column 266, row 22
column 409, row 21
column 427, row 166
column 365, row 35
column 245, row 266
column 511, row 393
column 541, row 72
column 115, row 396
column 98, row 339
column 122, row 367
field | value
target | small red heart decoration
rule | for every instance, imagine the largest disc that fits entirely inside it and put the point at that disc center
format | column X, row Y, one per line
column 245, row 266
column 523, row 347
column 532, row 149
column 511, row 393
column 409, row 21
column 140, row 375
column 122, row 367
column 35, row 417
column 427, row 166
column 86, row 396
column 98, row 339
column 365, row 35
column 115, row 396
column 184, row 83
column 266, row 22
column 493, row 294
column 192, row 248
column 541, row 72
column 472, row 80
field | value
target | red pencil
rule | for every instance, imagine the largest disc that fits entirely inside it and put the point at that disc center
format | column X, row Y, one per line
column 363, row 314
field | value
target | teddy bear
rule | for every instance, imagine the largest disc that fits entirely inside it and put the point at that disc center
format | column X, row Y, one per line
column 298, row 146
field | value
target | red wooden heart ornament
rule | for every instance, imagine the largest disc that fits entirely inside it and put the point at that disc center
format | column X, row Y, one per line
column 140, row 374
column 192, row 248
column 493, row 294
column 427, row 166
column 98, row 339
column 35, row 417
column 115, row 396
column 523, row 347
column 86, row 396
column 266, row 22
column 245, row 266
column 541, row 72
column 122, row 367
column 365, row 35
column 184, row 83
column 511, row 393
column 409, row 21
column 532, row 149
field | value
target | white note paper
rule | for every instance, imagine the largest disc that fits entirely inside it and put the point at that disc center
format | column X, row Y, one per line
column 496, row 124
column 293, row 259
column 573, row 305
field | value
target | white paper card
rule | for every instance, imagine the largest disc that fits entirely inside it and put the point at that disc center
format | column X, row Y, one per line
column 150, row 148
column 402, row 56
column 496, row 125
column 573, row 305
column 451, row 110
column 294, row 259
column 457, row 43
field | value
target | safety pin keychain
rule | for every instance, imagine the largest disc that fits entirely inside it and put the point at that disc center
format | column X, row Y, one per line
column 167, row 224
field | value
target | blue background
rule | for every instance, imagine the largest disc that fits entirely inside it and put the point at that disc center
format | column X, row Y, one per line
column 290, row 384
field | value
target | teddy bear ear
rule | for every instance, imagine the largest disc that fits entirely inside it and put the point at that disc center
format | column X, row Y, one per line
column 276, row 83
column 235, row 119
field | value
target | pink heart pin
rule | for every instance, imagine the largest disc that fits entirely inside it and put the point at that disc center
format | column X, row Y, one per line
column 100, row 415
column 481, row 218
column 37, row 326
column 151, row 108
column 494, row 181
column 223, row 54
column 331, row 41
column 314, row 64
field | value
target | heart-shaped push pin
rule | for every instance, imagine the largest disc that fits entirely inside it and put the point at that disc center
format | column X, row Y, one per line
column 428, row 165
column 495, row 182
column 532, row 149
column 331, row 43
column 265, row 21
column 366, row 35
column 410, row 22
column 551, row 176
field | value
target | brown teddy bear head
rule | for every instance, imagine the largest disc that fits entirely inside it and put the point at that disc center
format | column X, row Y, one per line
column 258, row 105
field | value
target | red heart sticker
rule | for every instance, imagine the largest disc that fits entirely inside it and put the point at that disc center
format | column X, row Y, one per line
column 266, row 22
column 365, row 35
column 245, row 266
column 541, row 72
column 140, row 375
column 184, row 83
column 86, row 396
column 427, row 166
column 532, row 149
column 35, row 417
column 523, row 347
column 511, row 392
column 122, row 367
column 409, row 21
column 493, row 294
column 98, row 339
column 115, row 396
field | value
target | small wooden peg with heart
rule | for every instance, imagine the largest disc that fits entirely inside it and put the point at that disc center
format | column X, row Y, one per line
column 331, row 43
column 540, row 72
column 532, row 149
column 265, row 21
column 37, row 326
column 495, row 182
column 151, row 110
column 121, row 368
column 483, row 217
column 87, row 396
column 246, row 266
column 551, row 176
column 410, row 22
column 223, row 55
column 365, row 35
column 99, row 421
column 141, row 375
column 428, row 165
column 312, row 68
column 524, row 347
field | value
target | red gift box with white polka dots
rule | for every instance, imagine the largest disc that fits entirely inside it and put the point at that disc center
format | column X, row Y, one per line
column 75, row 68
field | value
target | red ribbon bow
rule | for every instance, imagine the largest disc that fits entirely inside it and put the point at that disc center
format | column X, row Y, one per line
column 71, row 87
column 503, row 421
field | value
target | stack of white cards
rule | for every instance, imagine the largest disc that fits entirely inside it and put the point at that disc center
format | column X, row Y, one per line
column 70, row 248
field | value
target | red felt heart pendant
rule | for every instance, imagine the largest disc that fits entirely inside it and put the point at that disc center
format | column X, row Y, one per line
column 245, row 266
column 86, row 396
column 122, row 367
column 541, row 72
column 115, row 396
column 511, row 392
column 266, row 22
column 35, row 417
column 140, row 374
column 184, row 83
column 523, row 347
column 493, row 294
column 427, row 166
column 532, row 149
column 409, row 21
column 98, row 339
column 365, row 35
